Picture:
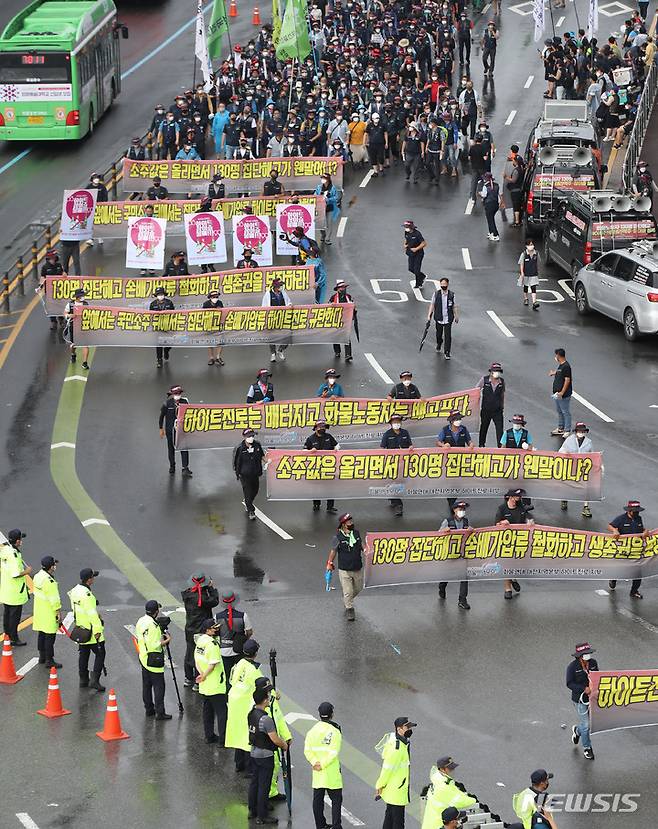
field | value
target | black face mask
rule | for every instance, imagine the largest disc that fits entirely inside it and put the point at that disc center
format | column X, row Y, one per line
column 408, row 733
column 322, row 431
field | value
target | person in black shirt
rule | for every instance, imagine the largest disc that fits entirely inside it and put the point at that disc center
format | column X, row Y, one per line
column 414, row 246
column 347, row 546
column 562, row 391
column 405, row 389
column 157, row 192
column 214, row 351
column 199, row 598
column 262, row 391
column 161, row 303
column 376, row 138
column 167, row 425
column 492, row 403
column 247, row 260
column 51, row 267
column 412, row 151
column 248, row 468
column 512, row 511
column 321, row 440
column 577, row 682
column 629, row 523
column 176, row 266
column 396, row 438
column 273, row 187
column 340, row 295
column 217, row 188
column 476, row 156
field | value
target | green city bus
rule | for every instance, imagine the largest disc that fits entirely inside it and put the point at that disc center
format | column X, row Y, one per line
column 59, row 69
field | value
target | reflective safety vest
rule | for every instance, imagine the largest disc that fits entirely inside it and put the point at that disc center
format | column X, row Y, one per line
column 525, row 807
column 443, row 793
column 85, row 612
column 46, row 603
column 322, row 745
column 149, row 640
column 240, row 702
column 207, row 653
column 13, row 588
column 393, row 779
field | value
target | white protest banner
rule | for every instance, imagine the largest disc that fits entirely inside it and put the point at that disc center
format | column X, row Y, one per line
column 77, row 222
column 252, row 232
column 205, row 238
column 145, row 244
column 288, row 217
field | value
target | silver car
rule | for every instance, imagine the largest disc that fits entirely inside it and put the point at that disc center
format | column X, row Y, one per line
column 623, row 285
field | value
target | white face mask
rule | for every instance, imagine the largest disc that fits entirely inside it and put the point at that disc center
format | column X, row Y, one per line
column 517, row 427
column 249, row 441
column 587, row 657
column 396, row 426
column 406, row 382
column 177, row 397
column 456, row 423
column 580, row 435
column 460, row 513
column 330, row 381
column 495, row 375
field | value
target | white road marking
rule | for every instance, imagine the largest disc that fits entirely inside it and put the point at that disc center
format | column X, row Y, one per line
column 470, row 204
column 341, row 227
column 67, row 621
column 560, row 21
column 366, row 178
column 564, row 284
column 592, row 408
column 466, row 256
column 62, row 445
column 370, row 358
column 349, row 817
column 293, row 716
column 602, row 592
column 653, row 406
column 75, row 377
column 510, row 118
column 26, row 820
column 624, row 611
column 28, row 666
column 271, row 524
column 486, row 8
column 88, row 522
column 497, row 320
column 613, row 9
column 529, row 82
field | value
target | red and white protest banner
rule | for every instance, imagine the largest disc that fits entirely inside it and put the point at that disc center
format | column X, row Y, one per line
column 145, row 243
column 205, row 238
column 77, row 221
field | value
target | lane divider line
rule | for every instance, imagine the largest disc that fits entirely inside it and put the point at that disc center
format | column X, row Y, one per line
column 15, row 160
column 592, row 408
column 510, row 118
column 624, row 611
column 466, row 256
column 28, row 666
column 26, row 623
column 501, row 325
column 25, row 819
column 528, row 83
column 75, row 377
column 340, row 232
column 366, row 178
column 349, row 817
column 271, row 524
column 560, row 21
column 89, row 522
column 380, row 371
column 62, row 445
column 470, row 204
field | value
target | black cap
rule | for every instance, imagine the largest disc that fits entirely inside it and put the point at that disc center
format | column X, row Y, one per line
column 208, row 623
column 449, row 814
column 48, row 561
column 325, row 709
column 446, row 763
column 400, row 721
column 260, row 695
column 248, row 433
column 263, row 682
column 515, row 493
column 152, row 606
column 14, row 535
column 79, row 292
column 250, row 647
column 87, row 573
column 540, row 776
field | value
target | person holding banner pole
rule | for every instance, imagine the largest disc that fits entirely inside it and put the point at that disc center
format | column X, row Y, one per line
column 214, row 351
column 248, row 468
column 629, row 523
column 577, row 442
column 513, row 511
column 276, row 296
column 167, row 425
column 161, row 303
column 321, row 441
column 458, row 520
column 396, row 438
column 340, row 295
column 77, row 302
column 578, row 683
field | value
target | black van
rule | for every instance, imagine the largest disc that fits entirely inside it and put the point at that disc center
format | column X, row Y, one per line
column 586, row 225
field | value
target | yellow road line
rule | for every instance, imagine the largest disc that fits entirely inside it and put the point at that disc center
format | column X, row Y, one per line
column 25, row 623
column 20, row 322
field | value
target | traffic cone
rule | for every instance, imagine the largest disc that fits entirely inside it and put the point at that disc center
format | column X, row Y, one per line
column 112, row 727
column 54, row 706
column 8, row 675
column 232, row 9
column 255, row 18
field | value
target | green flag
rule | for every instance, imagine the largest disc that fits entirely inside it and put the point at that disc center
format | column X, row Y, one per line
column 276, row 22
column 293, row 40
column 218, row 25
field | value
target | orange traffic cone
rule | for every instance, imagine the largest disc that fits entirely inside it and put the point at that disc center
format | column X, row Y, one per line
column 255, row 18
column 232, row 9
column 8, row 675
column 112, row 727
column 54, row 706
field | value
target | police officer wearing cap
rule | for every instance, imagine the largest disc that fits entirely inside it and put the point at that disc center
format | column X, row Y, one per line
column 347, row 549
column 167, row 426
column 273, row 187
column 262, row 391
column 151, row 641
column 247, row 260
column 576, row 443
column 396, row 438
column 340, row 295
column 405, row 389
column 458, row 520
column 161, row 303
column 578, row 683
column 492, row 403
column 330, row 388
column 13, row 586
column 414, row 245
column 513, row 510
column 157, row 192
column 211, row 680
column 248, row 467
column 392, row 785
column 321, row 441
column 47, row 606
column 443, row 792
column 214, row 351
column 176, row 266
column 451, row 818
column 518, row 437
column 51, row 267
column 322, row 750
column 199, row 598
column 629, row 523
column 85, row 617
column 530, row 804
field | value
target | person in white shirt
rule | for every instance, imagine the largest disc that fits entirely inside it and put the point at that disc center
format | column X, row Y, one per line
column 578, row 442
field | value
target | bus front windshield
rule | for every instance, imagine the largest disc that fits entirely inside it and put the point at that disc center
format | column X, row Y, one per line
column 32, row 67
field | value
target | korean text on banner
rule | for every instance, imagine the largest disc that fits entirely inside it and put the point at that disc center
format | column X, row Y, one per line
column 623, row 699
column 518, row 551
column 145, row 243
column 290, row 422
column 77, row 221
column 205, row 238
column 430, row 473
column 243, row 177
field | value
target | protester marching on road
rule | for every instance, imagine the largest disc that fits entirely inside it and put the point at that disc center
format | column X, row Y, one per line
column 347, row 552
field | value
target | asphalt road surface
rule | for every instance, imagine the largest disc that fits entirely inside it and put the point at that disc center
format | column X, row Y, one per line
column 486, row 686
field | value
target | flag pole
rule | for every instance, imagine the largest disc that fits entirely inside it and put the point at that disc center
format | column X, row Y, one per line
column 575, row 8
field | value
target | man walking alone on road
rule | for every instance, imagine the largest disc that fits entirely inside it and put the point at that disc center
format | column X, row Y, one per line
column 346, row 546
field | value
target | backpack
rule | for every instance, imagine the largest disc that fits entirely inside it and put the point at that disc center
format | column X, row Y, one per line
column 232, row 638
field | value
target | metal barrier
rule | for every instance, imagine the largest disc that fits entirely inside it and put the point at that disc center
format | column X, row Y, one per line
column 639, row 131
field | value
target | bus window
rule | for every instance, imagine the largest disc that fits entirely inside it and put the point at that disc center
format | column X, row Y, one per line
column 50, row 67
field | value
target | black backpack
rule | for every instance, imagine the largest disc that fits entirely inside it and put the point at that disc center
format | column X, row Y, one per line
column 232, row 637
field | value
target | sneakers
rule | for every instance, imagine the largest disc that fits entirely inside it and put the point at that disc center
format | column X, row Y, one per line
column 495, row 238
column 587, row 512
column 188, row 683
column 73, row 357
column 446, row 356
column 163, row 716
column 588, row 754
column 564, row 506
column 398, row 512
column 516, row 586
column 251, row 516
column 172, row 470
column 565, row 434
column 442, row 592
column 85, row 366
column 526, row 301
column 575, row 735
column 558, row 431
column 282, row 356
column 612, row 584
column 463, row 604
column 187, row 472
column 348, row 359
column 332, row 510
column 350, row 615
column 535, row 306
column 635, row 594
column 273, row 357
column 508, row 594
column 159, row 364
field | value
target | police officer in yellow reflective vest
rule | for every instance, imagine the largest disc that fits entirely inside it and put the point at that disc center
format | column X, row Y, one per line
column 13, row 587
column 211, row 680
column 529, row 804
column 442, row 792
column 322, row 750
column 85, row 615
column 151, row 640
column 47, row 606
column 240, row 702
column 393, row 782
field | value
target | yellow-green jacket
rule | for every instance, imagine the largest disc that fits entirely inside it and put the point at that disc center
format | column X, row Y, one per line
column 393, row 779
column 322, row 745
column 46, row 603
column 85, row 612
column 149, row 640
column 13, row 588
column 207, row 653
column 240, row 702
column 443, row 793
